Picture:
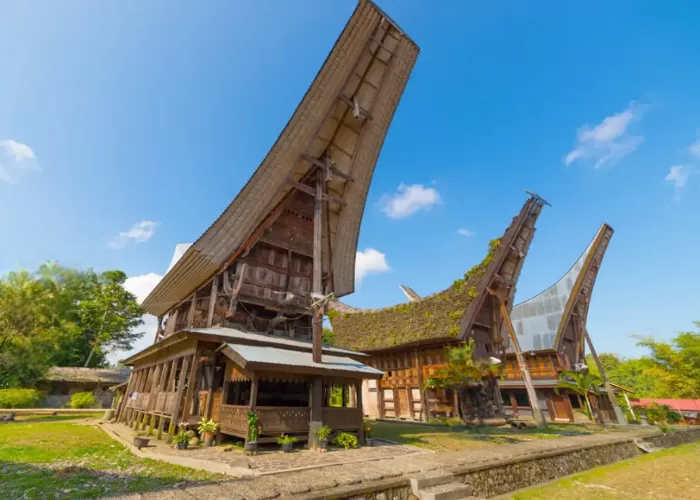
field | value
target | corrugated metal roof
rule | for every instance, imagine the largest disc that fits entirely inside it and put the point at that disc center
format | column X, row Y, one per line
column 276, row 356
column 234, row 333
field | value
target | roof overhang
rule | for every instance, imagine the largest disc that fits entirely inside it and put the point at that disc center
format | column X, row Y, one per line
column 252, row 358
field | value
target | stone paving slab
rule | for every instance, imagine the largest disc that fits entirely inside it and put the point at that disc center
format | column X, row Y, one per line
column 326, row 479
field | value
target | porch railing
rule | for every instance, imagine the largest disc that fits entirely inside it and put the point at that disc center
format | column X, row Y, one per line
column 342, row 419
column 234, row 419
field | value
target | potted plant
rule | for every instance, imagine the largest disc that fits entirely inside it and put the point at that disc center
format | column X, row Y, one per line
column 367, row 428
column 251, row 444
column 207, row 428
column 181, row 440
column 287, row 443
column 323, row 434
column 141, row 439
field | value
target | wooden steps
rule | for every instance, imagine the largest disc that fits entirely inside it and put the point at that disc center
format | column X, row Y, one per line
column 439, row 485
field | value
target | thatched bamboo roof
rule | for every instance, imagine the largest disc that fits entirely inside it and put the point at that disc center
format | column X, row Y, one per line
column 434, row 317
column 99, row 375
column 448, row 314
column 344, row 115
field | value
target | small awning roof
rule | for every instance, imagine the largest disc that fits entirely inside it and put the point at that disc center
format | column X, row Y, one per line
column 256, row 357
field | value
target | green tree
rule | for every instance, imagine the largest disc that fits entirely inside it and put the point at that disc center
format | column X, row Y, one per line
column 581, row 383
column 59, row 316
column 328, row 337
column 464, row 373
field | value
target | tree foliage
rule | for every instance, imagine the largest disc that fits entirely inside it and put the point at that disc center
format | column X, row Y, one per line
column 58, row 316
column 671, row 370
column 581, row 383
column 462, row 368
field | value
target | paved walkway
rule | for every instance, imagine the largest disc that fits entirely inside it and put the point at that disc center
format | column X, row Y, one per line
column 296, row 482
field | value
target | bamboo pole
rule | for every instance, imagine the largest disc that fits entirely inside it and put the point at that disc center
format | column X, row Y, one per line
column 619, row 414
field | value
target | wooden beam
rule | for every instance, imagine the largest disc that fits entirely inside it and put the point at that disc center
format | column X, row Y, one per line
column 212, row 300
column 190, row 313
column 253, row 403
column 178, row 409
column 191, row 383
column 363, row 112
column 619, row 415
column 532, row 395
column 330, row 166
column 309, row 190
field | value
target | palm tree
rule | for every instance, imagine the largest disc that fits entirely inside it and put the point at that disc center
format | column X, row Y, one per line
column 580, row 383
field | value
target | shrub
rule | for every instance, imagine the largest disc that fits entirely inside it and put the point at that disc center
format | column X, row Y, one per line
column 207, row 426
column 323, row 433
column 345, row 440
column 19, row 398
column 82, row 400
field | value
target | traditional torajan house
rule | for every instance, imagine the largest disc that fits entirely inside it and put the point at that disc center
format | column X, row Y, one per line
column 407, row 341
column 245, row 302
column 552, row 335
column 60, row 383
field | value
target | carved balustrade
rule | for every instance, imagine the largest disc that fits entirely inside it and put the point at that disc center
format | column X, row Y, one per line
column 234, row 419
column 278, row 420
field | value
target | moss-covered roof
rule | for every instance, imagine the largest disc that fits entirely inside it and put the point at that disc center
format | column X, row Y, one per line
column 435, row 317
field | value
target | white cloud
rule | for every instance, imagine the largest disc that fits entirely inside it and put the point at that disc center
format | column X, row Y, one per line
column 695, row 147
column 15, row 159
column 608, row 142
column 17, row 150
column 142, row 285
column 138, row 233
column 369, row 261
column 408, row 200
column 678, row 175
column 463, row 231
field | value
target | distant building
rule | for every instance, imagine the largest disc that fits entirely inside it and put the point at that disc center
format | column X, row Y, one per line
column 60, row 383
column 689, row 408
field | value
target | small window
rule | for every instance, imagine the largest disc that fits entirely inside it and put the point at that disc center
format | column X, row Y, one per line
column 389, row 373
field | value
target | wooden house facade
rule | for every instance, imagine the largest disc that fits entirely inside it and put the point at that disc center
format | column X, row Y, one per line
column 407, row 341
column 240, row 312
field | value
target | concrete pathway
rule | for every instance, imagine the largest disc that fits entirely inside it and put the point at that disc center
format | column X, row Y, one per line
column 333, row 477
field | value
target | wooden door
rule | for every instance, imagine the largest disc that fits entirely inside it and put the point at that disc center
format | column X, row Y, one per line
column 404, row 406
column 216, row 405
column 562, row 407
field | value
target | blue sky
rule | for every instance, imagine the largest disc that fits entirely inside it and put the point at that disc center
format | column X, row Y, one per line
column 127, row 127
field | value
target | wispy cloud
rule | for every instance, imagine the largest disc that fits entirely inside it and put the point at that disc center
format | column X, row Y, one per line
column 608, row 142
column 369, row 261
column 15, row 159
column 694, row 148
column 409, row 200
column 678, row 176
column 138, row 233
column 463, row 231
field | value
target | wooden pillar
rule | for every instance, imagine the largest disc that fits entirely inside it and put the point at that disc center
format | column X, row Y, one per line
column 409, row 397
column 358, row 391
column 253, row 392
column 137, row 388
column 177, row 410
column 168, row 380
column 514, row 404
column 210, row 392
column 380, row 398
column 122, row 404
column 191, row 383
column 424, row 410
column 619, row 414
column 153, row 396
column 212, row 300
column 193, row 308
column 534, row 403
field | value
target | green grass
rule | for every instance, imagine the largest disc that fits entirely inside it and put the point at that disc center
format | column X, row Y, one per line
column 457, row 437
column 58, row 418
column 45, row 460
column 672, row 474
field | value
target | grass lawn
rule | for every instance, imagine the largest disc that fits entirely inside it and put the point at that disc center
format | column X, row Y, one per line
column 672, row 474
column 58, row 418
column 56, row 459
column 457, row 437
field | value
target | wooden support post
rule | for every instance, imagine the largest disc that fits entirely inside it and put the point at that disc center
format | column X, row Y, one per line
column 177, row 411
column 210, row 392
column 253, row 392
column 619, row 414
column 212, row 300
column 380, row 398
column 193, row 308
column 409, row 397
column 153, row 396
column 358, row 399
column 317, row 332
column 121, row 410
column 137, row 389
column 192, row 383
column 167, row 378
column 532, row 395
column 424, row 411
